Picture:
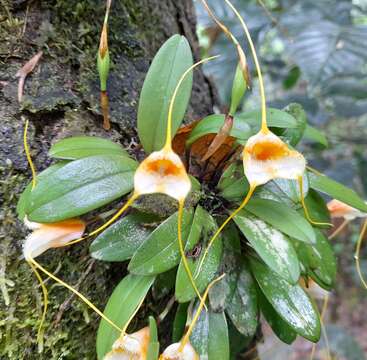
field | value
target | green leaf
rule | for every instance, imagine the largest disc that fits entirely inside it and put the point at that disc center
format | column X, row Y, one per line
column 223, row 290
column 290, row 301
column 283, row 218
column 337, row 191
column 281, row 329
column 210, row 336
column 313, row 134
column 213, row 123
column 81, row 186
column 202, row 229
column 153, row 347
column 120, row 306
column 160, row 252
column 294, row 135
column 316, row 207
column 271, row 245
column 284, row 191
column 120, row 240
column 275, row 117
column 238, row 90
column 23, row 201
column 319, row 260
column 242, row 308
column 78, row 147
column 233, row 184
column 179, row 322
column 168, row 65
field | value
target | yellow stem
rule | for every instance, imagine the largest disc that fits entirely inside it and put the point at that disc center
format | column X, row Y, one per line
column 243, row 204
column 168, row 145
column 77, row 293
column 339, row 229
column 109, row 222
column 264, row 126
column 28, row 154
column 182, row 251
column 186, row 338
column 358, row 249
column 307, row 214
column 45, row 304
column 123, row 333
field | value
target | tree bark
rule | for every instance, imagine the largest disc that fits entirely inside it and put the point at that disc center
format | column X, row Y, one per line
column 61, row 98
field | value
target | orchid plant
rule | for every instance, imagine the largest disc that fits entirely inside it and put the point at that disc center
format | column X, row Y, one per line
column 224, row 208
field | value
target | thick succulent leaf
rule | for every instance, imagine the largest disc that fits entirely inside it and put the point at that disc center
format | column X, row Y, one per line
column 81, row 186
column 316, row 207
column 213, row 123
column 325, row 49
column 238, row 343
column 78, row 147
column 281, row 329
column 289, row 301
column 313, row 134
column 319, row 260
column 242, row 308
column 231, row 174
column 275, row 117
column 283, row 218
column 153, row 347
column 121, row 305
column 160, row 251
column 120, row 241
column 223, row 290
column 294, row 135
column 210, row 336
column 284, row 190
column 23, row 201
column 202, row 229
column 179, row 323
column 337, row 191
column 271, row 245
column 168, row 65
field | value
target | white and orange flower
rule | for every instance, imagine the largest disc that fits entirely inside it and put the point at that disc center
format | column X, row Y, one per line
column 178, row 351
column 339, row 209
column 53, row 235
column 130, row 346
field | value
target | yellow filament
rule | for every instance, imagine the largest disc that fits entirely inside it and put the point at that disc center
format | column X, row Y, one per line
column 168, row 145
column 339, row 229
column 264, row 126
column 28, row 154
column 123, row 333
column 77, row 293
column 358, row 249
column 186, row 338
column 307, row 214
column 45, row 304
column 243, row 204
column 182, row 251
column 109, row 222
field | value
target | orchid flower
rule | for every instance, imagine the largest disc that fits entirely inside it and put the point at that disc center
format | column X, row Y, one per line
column 183, row 350
column 47, row 236
column 130, row 346
column 340, row 210
column 265, row 156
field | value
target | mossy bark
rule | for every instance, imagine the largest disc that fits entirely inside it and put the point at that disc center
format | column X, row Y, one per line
column 61, row 98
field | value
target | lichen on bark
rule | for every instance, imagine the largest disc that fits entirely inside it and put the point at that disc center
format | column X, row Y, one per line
column 61, row 99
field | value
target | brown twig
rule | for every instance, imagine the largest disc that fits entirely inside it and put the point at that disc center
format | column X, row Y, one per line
column 26, row 69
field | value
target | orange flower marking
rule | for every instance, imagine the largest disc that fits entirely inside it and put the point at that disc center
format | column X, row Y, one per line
column 54, row 235
column 130, row 346
column 173, row 352
column 338, row 209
